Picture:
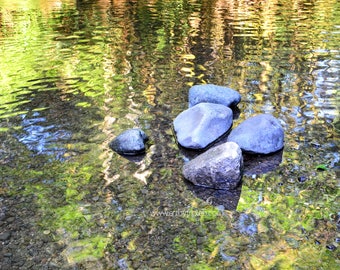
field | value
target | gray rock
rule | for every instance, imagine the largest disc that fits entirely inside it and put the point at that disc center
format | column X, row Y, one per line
column 260, row 134
column 202, row 124
column 5, row 235
column 213, row 94
column 219, row 167
column 129, row 142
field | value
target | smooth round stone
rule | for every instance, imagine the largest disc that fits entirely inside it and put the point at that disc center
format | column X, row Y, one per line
column 210, row 93
column 260, row 134
column 129, row 142
column 202, row 124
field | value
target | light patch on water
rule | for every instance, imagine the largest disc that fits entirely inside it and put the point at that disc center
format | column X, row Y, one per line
column 41, row 138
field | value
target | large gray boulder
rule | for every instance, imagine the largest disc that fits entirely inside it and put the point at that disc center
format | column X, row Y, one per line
column 219, row 167
column 202, row 124
column 129, row 142
column 213, row 94
column 260, row 134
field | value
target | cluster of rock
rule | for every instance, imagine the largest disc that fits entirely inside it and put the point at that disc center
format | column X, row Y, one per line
column 208, row 118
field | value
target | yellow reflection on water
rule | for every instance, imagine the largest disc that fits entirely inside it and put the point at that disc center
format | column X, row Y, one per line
column 44, row 6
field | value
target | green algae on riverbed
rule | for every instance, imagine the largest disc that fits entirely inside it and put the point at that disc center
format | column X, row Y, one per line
column 295, row 223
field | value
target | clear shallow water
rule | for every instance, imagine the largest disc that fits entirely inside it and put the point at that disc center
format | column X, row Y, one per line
column 74, row 75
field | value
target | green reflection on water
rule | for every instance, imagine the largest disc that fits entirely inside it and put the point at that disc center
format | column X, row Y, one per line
column 97, row 69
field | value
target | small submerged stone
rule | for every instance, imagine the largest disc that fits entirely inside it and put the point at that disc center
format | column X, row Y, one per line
column 5, row 235
column 202, row 124
column 122, row 264
column 260, row 134
column 227, row 258
column 247, row 224
column 331, row 247
column 302, row 179
column 130, row 142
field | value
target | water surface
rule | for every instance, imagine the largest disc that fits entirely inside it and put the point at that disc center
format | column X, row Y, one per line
column 74, row 74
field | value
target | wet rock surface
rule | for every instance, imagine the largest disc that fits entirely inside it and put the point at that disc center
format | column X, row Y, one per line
column 199, row 126
column 220, row 167
column 130, row 142
column 261, row 134
column 213, row 94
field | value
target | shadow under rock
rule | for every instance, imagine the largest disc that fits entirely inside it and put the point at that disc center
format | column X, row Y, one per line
column 255, row 164
column 133, row 158
column 217, row 197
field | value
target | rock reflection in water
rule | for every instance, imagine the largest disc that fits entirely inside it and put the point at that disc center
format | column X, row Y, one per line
column 260, row 164
column 217, row 197
column 135, row 158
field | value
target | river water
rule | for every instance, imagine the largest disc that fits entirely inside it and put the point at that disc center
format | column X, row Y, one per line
column 74, row 74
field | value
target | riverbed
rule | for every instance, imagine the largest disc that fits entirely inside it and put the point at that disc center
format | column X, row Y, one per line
column 75, row 74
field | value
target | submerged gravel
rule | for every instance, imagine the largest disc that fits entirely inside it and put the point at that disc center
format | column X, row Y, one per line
column 22, row 244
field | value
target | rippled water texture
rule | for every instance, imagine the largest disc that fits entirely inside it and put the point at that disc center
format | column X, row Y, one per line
column 74, row 74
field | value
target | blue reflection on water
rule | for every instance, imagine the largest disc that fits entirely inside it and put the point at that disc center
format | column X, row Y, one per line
column 41, row 138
